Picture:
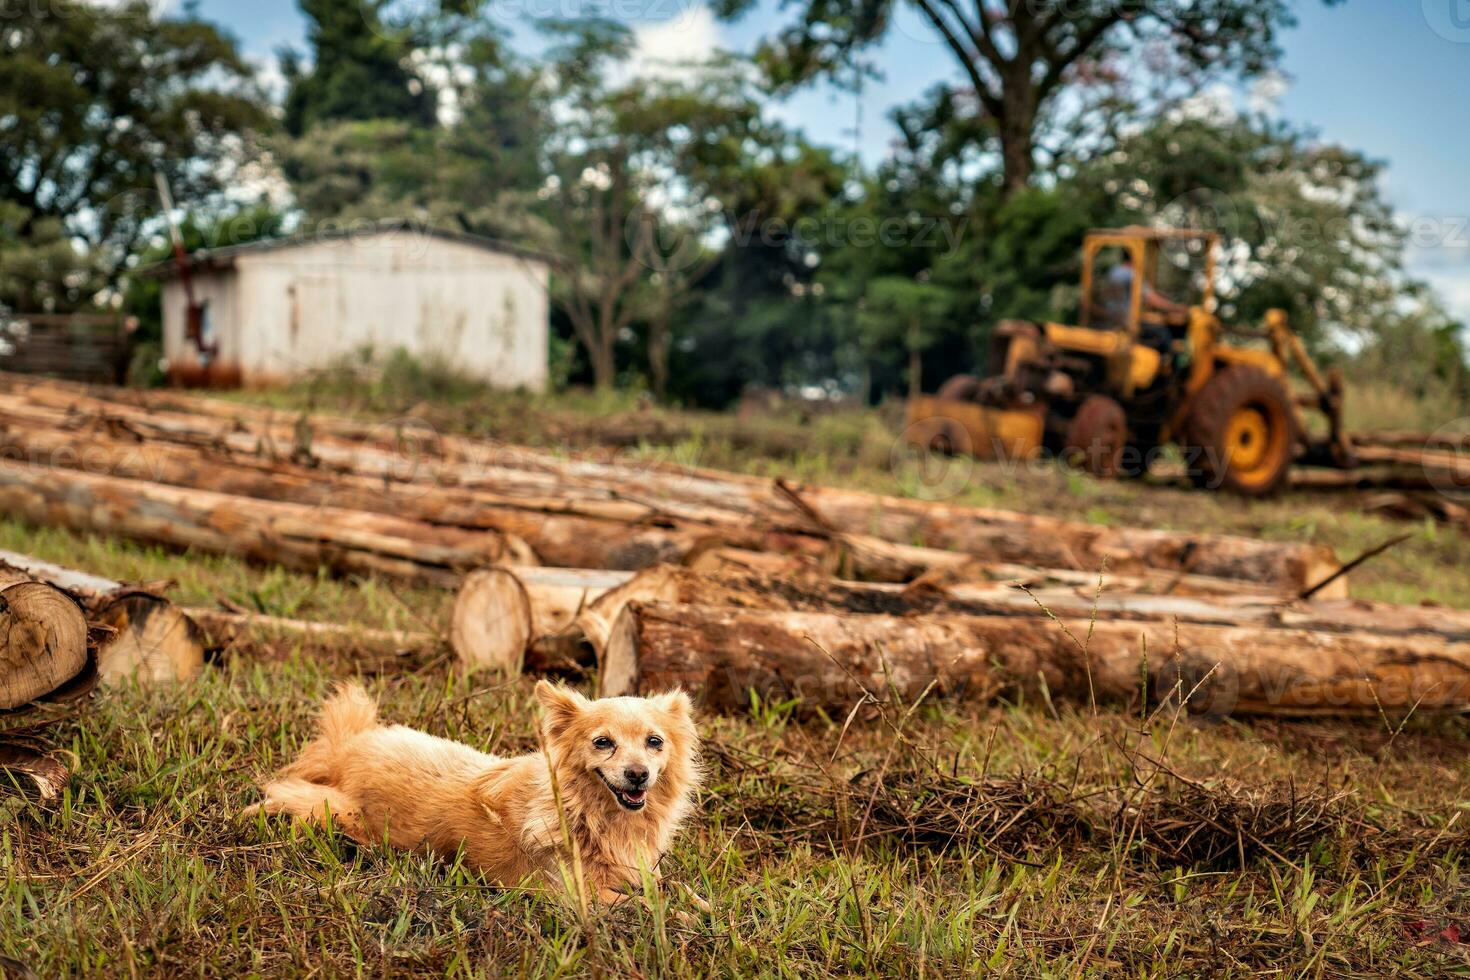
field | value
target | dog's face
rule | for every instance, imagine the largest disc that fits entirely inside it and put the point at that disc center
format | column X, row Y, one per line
column 638, row 749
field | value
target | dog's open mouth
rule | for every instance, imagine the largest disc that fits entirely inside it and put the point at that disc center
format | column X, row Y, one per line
column 628, row 799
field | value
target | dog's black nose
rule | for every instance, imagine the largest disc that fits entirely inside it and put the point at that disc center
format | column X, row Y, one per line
column 636, row 775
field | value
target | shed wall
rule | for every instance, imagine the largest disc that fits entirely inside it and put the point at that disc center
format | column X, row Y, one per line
column 288, row 310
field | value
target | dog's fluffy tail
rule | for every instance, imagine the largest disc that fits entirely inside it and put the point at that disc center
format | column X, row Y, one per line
column 348, row 712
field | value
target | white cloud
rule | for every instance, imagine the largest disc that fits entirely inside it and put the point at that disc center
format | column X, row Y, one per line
column 669, row 49
column 1451, row 285
column 1266, row 92
column 1213, row 103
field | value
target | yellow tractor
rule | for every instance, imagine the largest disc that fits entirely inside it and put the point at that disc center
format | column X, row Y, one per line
column 1142, row 370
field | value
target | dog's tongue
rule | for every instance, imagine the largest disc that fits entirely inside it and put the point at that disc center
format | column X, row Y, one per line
column 636, row 796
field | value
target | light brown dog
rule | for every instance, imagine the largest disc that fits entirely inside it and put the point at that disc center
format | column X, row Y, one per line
column 625, row 774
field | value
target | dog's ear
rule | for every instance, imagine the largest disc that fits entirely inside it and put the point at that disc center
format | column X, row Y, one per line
column 561, row 705
column 676, row 703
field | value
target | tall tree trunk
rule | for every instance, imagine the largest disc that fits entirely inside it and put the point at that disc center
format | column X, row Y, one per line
column 916, row 365
column 604, row 362
column 1017, row 135
column 658, row 351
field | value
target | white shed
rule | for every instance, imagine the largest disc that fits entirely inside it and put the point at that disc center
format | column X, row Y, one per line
column 278, row 308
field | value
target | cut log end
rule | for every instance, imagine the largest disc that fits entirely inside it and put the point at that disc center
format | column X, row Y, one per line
column 491, row 625
column 43, row 642
column 156, row 642
column 619, row 674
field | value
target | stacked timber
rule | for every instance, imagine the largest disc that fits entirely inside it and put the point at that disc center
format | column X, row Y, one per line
column 652, row 575
column 576, row 513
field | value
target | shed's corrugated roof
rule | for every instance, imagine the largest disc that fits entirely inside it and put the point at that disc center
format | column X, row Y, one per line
column 224, row 257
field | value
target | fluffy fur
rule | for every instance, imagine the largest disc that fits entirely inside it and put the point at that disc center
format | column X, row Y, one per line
column 626, row 770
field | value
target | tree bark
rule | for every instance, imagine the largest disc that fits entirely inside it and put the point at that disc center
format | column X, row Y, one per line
column 224, row 628
column 811, row 592
column 834, row 661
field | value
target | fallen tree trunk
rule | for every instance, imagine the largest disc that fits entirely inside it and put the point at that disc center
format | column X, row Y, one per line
column 567, row 533
column 150, row 639
column 572, row 532
column 736, row 502
column 1451, row 469
column 811, row 593
column 287, row 534
column 834, row 661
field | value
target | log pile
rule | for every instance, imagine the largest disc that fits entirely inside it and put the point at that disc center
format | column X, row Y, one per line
column 833, row 644
column 654, row 575
column 569, row 513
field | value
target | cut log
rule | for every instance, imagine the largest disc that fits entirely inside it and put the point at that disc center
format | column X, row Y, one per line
column 506, row 617
column 156, row 641
column 43, row 642
column 834, row 661
column 1454, row 441
column 739, row 504
column 287, row 534
column 152, row 640
column 1450, row 468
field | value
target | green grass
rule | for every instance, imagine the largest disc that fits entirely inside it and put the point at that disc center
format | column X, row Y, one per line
column 142, row 869
column 1059, row 867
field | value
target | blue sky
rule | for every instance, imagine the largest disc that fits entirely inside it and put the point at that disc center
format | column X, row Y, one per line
column 1390, row 78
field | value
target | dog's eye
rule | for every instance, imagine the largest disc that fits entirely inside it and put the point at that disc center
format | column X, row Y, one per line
column 654, row 742
column 604, row 743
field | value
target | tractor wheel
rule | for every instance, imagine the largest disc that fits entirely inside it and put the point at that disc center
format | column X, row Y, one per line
column 1240, row 433
column 1097, row 435
column 960, row 388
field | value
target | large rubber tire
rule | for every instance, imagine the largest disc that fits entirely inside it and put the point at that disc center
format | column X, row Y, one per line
column 1241, row 433
column 960, row 388
column 1096, row 436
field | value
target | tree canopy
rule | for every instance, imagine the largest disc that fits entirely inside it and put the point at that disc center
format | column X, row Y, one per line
column 699, row 244
column 92, row 104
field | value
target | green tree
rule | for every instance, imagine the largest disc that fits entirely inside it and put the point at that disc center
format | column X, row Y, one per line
column 93, row 101
column 760, row 315
column 1016, row 58
column 474, row 169
column 360, row 70
column 629, row 202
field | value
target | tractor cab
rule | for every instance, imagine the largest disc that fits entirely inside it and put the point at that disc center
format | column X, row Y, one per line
column 1123, row 269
